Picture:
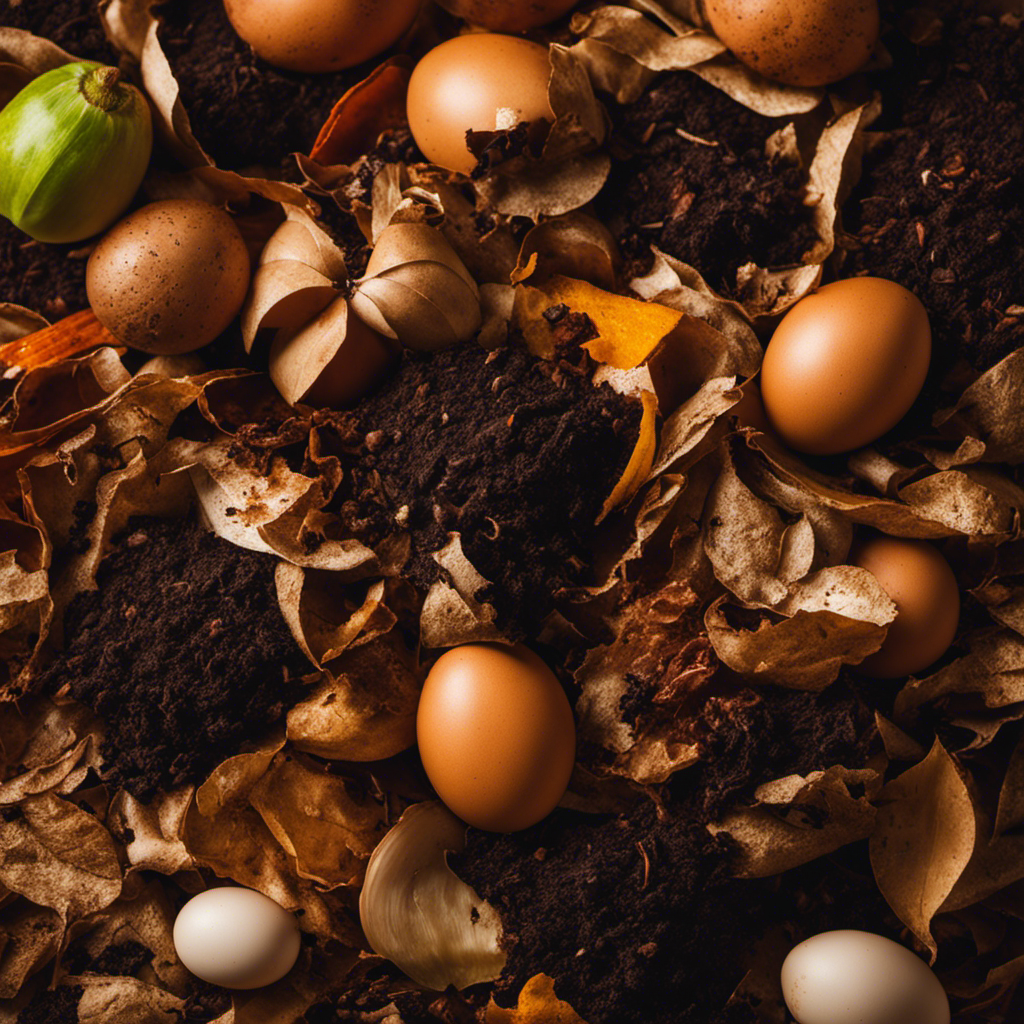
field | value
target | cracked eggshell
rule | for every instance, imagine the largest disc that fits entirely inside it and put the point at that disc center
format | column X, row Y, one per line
column 320, row 35
column 170, row 277
column 475, row 82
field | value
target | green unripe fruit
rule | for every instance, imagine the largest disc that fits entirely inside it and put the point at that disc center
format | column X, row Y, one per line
column 74, row 147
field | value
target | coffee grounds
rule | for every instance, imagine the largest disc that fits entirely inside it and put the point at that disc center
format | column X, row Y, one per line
column 714, row 206
column 515, row 453
column 939, row 207
column 244, row 111
column 182, row 650
column 57, row 1007
column 634, row 918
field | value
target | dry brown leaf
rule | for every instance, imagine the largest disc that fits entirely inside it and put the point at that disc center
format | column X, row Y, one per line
column 30, row 936
column 327, row 832
column 151, row 832
column 575, row 245
column 365, row 707
column 988, row 411
column 923, row 840
column 1010, row 811
column 124, row 1000
column 15, row 322
column 59, row 856
column 367, row 109
column 687, row 434
column 538, row 1004
column 33, row 53
column 798, row 820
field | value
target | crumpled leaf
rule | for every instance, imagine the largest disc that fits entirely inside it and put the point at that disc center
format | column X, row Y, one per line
column 538, row 1004
column 574, row 245
column 151, row 832
column 124, row 1000
column 365, row 707
column 683, row 46
column 799, row 819
column 661, row 653
column 30, row 936
column 58, row 856
column 923, row 840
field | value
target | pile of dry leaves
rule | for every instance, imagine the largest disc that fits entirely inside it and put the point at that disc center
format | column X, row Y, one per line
column 721, row 561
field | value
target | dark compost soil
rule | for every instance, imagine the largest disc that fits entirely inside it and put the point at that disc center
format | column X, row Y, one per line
column 182, row 650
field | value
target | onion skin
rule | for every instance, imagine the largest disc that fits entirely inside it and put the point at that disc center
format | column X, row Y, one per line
column 68, row 167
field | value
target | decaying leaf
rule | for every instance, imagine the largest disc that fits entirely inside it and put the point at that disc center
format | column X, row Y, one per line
column 151, row 831
column 923, row 840
column 799, row 819
column 538, row 1004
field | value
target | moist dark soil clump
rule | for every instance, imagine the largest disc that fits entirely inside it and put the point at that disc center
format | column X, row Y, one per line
column 717, row 203
column 515, row 453
column 182, row 650
column 939, row 207
column 243, row 111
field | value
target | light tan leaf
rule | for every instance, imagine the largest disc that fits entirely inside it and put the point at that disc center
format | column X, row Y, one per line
column 30, row 936
column 151, row 831
column 923, row 840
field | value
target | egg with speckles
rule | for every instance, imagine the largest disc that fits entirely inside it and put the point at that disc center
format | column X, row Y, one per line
column 320, row 35
column 170, row 277
column 922, row 586
column 798, row 42
column 496, row 735
column 476, row 82
column 845, row 365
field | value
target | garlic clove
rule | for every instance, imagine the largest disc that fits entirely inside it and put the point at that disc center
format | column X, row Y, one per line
column 416, row 912
column 330, row 361
column 284, row 293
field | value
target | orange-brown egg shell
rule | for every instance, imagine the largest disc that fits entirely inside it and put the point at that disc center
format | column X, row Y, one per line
column 922, row 585
column 845, row 365
column 475, row 82
column 799, row 42
column 320, row 35
column 169, row 277
column 510, row 15
column 496, row 735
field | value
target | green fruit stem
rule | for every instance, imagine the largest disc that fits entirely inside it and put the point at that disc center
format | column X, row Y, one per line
column 102, row 88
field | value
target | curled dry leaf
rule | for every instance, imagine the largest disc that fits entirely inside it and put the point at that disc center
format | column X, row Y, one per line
column 575, row 245
column 640, row 461
column 151, row 832
column 16, row 322
column 417, row 291
column 30, row 936
column 538, row 1004
column 680, row 45
column 798, row 820
column 418, row 914
column 923, row 840
column 364, row 709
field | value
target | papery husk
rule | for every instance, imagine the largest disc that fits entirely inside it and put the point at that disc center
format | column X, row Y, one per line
column 415, row 911
column 16, row 322
column 797, row 820
column 417, row 291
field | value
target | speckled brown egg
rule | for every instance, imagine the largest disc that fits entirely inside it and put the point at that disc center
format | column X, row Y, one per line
column 478, row 82
column 799, row 42
column 509, row 15
column 170, row 277
column 496, row 735
column 320, row 35
column 922, row 586
column 845, row 365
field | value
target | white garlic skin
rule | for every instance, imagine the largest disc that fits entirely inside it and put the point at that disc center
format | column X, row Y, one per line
column 237, row 938
column 853, row 977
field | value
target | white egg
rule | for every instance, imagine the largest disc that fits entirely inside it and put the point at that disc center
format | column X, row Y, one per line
column 850, row 977
column 237, row 938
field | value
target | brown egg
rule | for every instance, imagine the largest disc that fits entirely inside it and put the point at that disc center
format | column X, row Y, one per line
column 922, row 585
column 509, row 15
column 477, row 82
column 170, row 277
column 799, row 42
column 320, row 35
column 496, row 735
column 845, row 365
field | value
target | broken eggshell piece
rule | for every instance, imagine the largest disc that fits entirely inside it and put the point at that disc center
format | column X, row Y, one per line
column 418, row 914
